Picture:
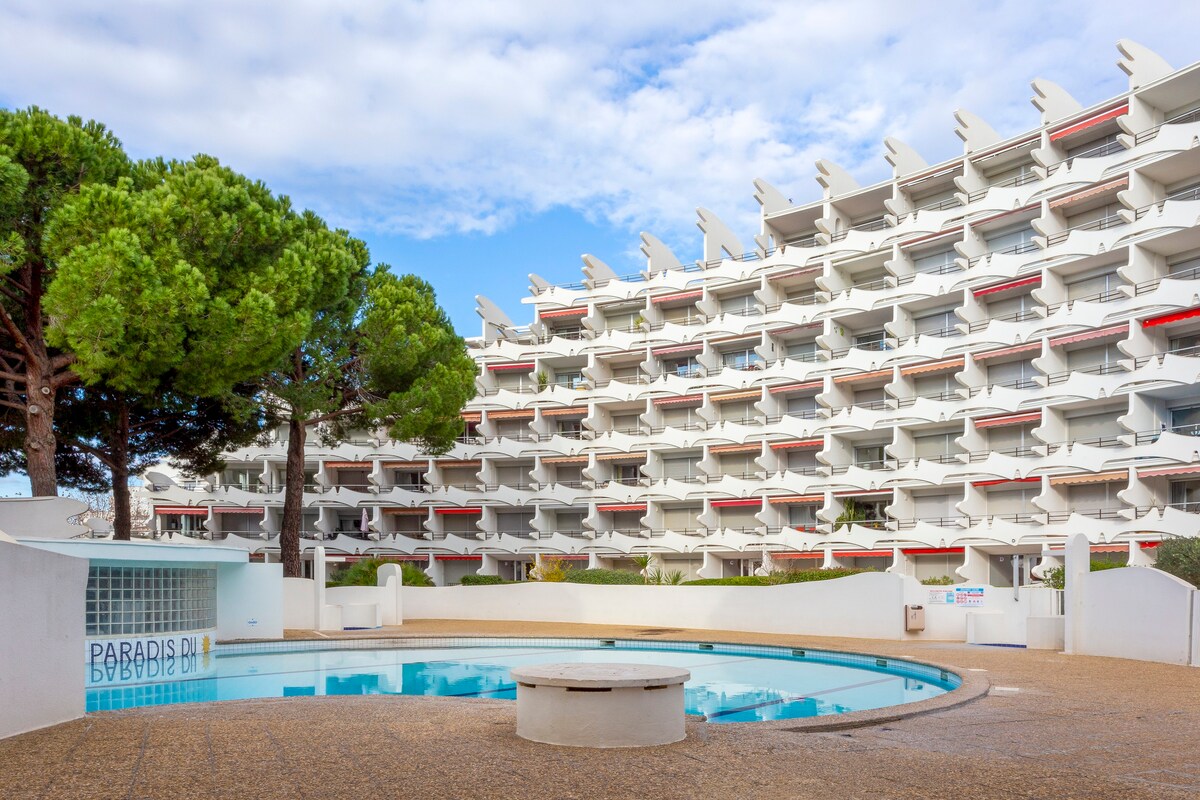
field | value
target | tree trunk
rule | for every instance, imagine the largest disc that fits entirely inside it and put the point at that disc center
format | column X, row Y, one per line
column 39, row 430
column 293, row 499
column 119, row 468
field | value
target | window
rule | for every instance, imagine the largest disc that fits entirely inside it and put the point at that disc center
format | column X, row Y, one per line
column 871, row 340
column 740, row 518
column 741, row 305
column 1187, row 345
column 936, row 446
column 1013, row 239
column 514, row 476
column 1186, row 495
column 801, row 406
column 1095, row 148
column 685, row 418
column 938, row 262
column 682, row 519
column 869, row 456
column 682, row 315
column 935, row 507
column 738, row 465
column 1012, row 309
column 628, row 374
column 937, row 323
column 1094, row 359
column 802, row 517
column 802, row 351
column 139, row 601
column 683, row 367
column 1012, row 374
column 1095, row 428
column 570, row 428
column 740, row 412
column 626, row 423
column 681, row 467
column 1186, row 420
column 515, row 523
column 570, row 380
column 936, row 387
column 802, row 461
column 741, row 359
column 1012, row 440
column 1016, row 502
column 1096, row 287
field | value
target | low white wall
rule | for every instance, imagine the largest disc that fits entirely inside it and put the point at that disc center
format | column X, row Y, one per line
column 869, row 605
column 1134, row 612
column 299, row 604
column 250, row 601
column 41, row 638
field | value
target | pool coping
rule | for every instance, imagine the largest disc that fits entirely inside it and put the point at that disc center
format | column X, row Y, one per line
column 973, row 685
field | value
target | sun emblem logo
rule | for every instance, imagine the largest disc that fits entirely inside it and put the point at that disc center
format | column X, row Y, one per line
column 205, row 645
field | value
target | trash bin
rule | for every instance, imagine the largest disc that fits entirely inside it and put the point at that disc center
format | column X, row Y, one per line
column 914, row 618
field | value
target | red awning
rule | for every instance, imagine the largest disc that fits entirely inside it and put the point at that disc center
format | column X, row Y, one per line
column 1009, row 419
column 799, row 444
column 565, row 312
column 572, row 411
column 347, row 465
column 798, row 500
column 931, row 551
column 930, row 368
column 687, row 399
column 727, row 449
column 1167, row 319
column 458, row 511
column 521, row 413
column 1086, row 336
column 753, row 501
column 749, row 394
column 1091, row 121
column 796, row 387
column 679, row 349
column 864, row 376
column 183, row 511
column 1087, row 194
column 626, row 507
column 458, row 558
column 1004, row 287
column 669, row 298
column 235, row 510
column 1188, row 469
column 472, row 416
column 862, row 553
column 403, row 511
column 510, row 367
column 1005, row 480
column 1009, row 351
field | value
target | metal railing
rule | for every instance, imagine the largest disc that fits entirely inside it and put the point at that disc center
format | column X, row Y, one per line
column 1102, row 224
column 1019, row 180
column 1096, row 369
column 1150, row 133
column 1016, row 316
column 1187, row 194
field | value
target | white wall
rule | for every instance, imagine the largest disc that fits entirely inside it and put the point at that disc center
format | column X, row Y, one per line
column 1135, row 612
column 41, row 638
column 249, row 601
column 298, row 604
column 870, row 605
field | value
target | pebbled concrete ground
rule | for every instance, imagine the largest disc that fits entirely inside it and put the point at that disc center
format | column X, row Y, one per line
column 1074, row 727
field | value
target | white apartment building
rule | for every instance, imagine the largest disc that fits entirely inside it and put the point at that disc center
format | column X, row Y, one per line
column 933, row 374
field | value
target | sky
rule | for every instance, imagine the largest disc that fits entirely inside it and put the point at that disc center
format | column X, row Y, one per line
column 476, row 141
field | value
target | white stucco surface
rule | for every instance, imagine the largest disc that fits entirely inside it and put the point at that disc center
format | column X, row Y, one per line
column 41, row 638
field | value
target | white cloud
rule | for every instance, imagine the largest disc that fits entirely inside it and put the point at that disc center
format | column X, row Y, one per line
column 433, row 118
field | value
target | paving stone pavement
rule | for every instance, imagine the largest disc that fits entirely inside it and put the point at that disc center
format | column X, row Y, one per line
column 1075, row 728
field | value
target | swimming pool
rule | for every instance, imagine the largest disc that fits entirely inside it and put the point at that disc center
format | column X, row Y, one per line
column 730, row 683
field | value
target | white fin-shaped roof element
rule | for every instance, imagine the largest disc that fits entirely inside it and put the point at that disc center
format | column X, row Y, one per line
column 718, row 238
column 658, row 255
column 491, row 313
column 902, row 157
column 596, row 270
column 833, row 179
column 538, row 283
column 975, row 133
column 770, row 198
column 1141, row 64
column 1053, row 101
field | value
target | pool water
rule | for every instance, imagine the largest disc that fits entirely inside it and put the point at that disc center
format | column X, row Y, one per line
column 729, row 683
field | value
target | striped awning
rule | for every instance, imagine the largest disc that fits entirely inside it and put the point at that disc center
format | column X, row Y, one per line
column 1009, row 419
column 1036, row 280
column 749, row 394
column 1003, row 481
column 750, row 501
column 183, row 511
column 799, row 444
column 934, row 367
column 1028, row 347
column 681, row 400
column 1091, row 477
column 621, row 457
column 456, row 510
column 1087, row 194
column 1165, row 472
column 472, row 416
column 1167, row 319
column 463, row 464
column 791, row 388
column 671, row 298
column 348, row 465
column 1087, row 336
column 817, row 554
column 406, row 464
column 864, row 493
column 566, row 460
column 679, row 349
column 863, row 553
column 864, row 376
column 569, row 411
column 798, row 500
column 237, row 510
column 730, row 449
column 399, row 511
column 625, row 507
column 1089, row 122
column 932, row 551
column 525, row 365
column 523, row 413
column 458, row 558
column 565, row 312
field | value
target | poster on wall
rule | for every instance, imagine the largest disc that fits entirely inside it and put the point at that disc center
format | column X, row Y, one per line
column 968, row 596
column 940, row 597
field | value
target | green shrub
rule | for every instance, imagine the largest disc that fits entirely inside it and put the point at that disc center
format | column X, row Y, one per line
column 551, row 570
column 1056, row 577
column 737, row 580
column 1180, row 556
column 778, row 577
column 943, row 580
column 602, row 576
column 482, row 580
column 365, row 573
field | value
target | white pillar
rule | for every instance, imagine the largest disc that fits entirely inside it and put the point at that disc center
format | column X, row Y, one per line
column 1078, row 564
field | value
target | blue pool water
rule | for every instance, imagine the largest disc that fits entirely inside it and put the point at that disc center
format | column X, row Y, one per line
column 730, row 683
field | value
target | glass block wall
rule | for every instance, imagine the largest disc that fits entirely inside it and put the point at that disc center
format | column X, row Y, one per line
column 142, row 601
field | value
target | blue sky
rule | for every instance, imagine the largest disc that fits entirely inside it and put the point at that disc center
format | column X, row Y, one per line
column 476, row 141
